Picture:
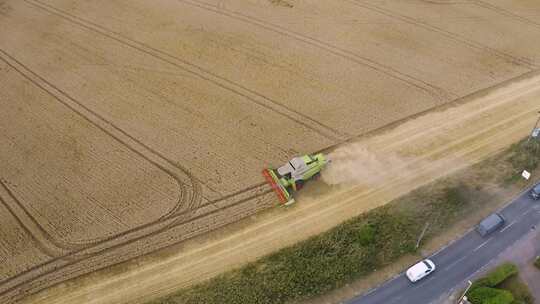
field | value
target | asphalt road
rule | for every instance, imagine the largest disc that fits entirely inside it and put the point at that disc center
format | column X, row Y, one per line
column 461, row 259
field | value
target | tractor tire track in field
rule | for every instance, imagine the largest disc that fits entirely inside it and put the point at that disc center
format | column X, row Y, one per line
column 434, row 91
column 57, row 265
column 504, row 12
column 188, row 199
column 206, row 75
column 234, row 194
column 41, row 239
column 78, row 109
column 193, row 203
column 30, row 223
column 66, row 254
column 445, row 2
column 453, row 36
column 197, row 193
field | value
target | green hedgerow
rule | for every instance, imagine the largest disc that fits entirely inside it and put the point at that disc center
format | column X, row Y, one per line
column 501, row 273
column 487, row 295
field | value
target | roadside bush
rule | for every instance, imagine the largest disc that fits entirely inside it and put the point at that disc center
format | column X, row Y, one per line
column 519, row 290
column 487, row 295
column 495, row 277
column 501, row 273
column 537, row 262
column 482, row 282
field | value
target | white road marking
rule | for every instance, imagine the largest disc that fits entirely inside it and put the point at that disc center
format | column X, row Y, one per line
column 525, row 213
column 454, row 263
column 482, row 245
column 509, row 225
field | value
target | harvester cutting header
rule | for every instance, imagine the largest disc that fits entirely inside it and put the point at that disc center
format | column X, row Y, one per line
column 292, row 176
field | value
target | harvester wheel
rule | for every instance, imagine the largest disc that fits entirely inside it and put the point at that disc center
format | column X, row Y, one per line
column 299, row 184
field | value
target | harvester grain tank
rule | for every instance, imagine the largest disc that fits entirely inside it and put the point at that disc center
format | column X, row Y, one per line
column 292, row 176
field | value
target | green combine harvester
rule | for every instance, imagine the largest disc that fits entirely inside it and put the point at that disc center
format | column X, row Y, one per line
column 292, row 176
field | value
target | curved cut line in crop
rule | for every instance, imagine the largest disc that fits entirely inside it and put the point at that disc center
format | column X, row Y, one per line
column 71, row 246
column 43, row 243
column 173, row 218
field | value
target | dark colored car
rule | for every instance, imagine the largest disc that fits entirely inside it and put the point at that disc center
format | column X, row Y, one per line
column 490, row 224
column 535, row 192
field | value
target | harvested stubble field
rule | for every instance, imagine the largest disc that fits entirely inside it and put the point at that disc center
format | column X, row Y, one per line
column 128, row 126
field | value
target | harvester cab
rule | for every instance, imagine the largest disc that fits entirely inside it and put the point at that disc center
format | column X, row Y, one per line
column 292, row 176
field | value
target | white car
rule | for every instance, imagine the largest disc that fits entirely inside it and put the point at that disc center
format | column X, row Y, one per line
column 420, row 270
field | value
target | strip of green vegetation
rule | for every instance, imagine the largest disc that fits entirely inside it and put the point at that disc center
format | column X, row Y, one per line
column 496, row 276
column 500, row 286
column 362, row 244
column 523, row 156
column 487, row 295
column 537, row 262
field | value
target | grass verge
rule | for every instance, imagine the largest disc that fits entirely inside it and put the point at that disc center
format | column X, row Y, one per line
column 365, row 243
